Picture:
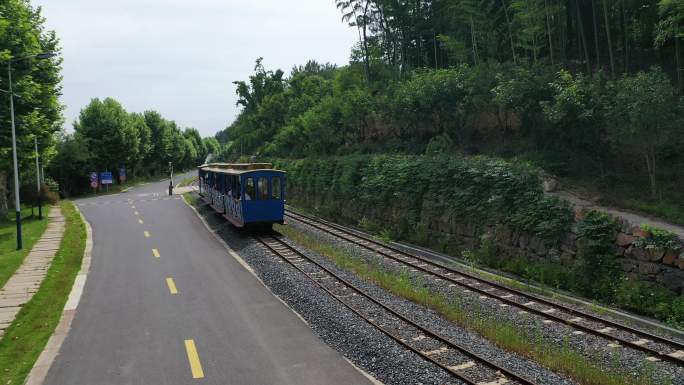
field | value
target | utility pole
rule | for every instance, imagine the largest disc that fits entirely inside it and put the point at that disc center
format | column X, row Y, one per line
column 40, row 198
column 17, row 203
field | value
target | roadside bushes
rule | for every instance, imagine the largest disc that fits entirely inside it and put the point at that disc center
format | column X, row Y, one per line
column 479, row 190
column 398, row 196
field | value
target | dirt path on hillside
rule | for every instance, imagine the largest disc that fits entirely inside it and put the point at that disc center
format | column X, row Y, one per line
column 631, row 217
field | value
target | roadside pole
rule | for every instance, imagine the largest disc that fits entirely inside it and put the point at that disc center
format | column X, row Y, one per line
column 171, row 179
column 40, row 198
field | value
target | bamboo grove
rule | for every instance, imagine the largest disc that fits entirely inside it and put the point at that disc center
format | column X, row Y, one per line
column 616, row 36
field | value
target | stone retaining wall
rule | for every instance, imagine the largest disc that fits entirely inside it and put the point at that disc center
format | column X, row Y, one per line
column 665, row 267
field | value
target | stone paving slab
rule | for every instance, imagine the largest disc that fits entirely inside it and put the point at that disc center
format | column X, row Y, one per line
column 24, row 283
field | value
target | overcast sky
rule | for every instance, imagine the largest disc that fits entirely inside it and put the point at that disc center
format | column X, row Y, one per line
column 179, row 57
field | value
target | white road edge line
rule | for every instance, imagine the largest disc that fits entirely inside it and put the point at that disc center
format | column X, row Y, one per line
column 247, row 267
column 40, row 369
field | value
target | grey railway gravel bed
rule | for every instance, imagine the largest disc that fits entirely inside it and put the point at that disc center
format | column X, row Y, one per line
column 594, row 347
column 345, row 332
column 458, row 265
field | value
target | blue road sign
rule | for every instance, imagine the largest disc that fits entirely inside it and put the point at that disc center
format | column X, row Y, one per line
column 106, row 177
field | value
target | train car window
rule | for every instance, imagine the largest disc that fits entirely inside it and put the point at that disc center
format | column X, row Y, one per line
column 249, row 190
column 263, row 188
column 275, row 188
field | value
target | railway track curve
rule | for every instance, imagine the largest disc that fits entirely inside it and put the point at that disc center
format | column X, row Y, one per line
column 658, row 347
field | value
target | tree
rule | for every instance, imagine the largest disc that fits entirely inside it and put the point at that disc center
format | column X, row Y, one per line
column 36, row 84
column 213, row 146
column 111, row 135
column 671, row 26
column 160, row 131
column 71, row 164
column 646, row 113
column 144, row 134
column 200, row 151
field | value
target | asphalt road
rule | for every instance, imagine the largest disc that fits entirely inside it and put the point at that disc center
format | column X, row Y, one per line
column 220, row 327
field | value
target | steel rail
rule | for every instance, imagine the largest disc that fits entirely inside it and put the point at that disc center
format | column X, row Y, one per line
column 314, row 222
column 507, row 373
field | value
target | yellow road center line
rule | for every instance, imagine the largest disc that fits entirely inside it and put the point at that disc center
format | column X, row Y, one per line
column 140, row 221
column 147, row 234
column 194, row 360
column 137, row 213
column 155, row 252
column 172, row 285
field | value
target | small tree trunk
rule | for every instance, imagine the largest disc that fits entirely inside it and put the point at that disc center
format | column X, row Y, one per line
column 473, row 40
column 678, row 64
column 625, row 42
column 596, row 38
column 650, row 166
column 434, row 45
column 610, row 43
column 510, row 33
column 365, row 42
column 548, row 30
column 580, row 28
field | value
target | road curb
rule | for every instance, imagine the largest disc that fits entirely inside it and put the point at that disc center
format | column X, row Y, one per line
column 40, row 368
column 247, row 267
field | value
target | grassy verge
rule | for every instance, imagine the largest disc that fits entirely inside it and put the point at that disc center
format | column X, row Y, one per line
column 187, row 181
column 668, row 211
column 26, row 337
column 32, row 229
column 558, row 357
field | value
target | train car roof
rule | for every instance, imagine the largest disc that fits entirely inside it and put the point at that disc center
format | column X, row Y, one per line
column 238, row 168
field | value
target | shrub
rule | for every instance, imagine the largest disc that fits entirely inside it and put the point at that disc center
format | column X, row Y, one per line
column 658, row 239
column 652, row 300
column 597, row 268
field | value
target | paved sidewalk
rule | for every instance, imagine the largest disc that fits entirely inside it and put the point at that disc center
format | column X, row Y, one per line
column 25, row 282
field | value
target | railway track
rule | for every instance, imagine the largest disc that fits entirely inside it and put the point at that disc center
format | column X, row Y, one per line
column 657, row 347
column 456, row 360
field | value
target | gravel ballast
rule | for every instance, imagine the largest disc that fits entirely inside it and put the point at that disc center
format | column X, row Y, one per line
column 361, row 343
column 596, row 348
column 358, row 341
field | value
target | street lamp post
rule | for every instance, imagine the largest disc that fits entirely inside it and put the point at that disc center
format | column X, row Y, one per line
column 17, row 202
column 14, row 159
column 40, row 198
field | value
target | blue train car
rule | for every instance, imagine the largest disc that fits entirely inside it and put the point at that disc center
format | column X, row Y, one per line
column 247, row 194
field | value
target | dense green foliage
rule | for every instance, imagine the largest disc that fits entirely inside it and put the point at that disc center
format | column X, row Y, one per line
column 583, row 88
column 107, row 137
column 597, row 269
column 474, row 191
column 398, row 196
column 35, row 84
column 611, row 131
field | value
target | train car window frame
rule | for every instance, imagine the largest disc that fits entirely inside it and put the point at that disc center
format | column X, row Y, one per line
column 249, row 186
column 262, row 188
column 276, row 188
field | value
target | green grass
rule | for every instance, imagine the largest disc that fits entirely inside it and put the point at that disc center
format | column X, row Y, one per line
column 187, row 181
column 664, row 210
column 32, row 228
column 529, row 343
column 26, row 337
